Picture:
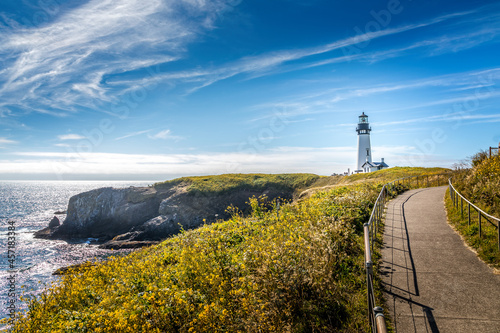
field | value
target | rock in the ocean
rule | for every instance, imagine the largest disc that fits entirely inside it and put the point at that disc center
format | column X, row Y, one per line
column 107, row 212
column 48, row 232
column 54, row 222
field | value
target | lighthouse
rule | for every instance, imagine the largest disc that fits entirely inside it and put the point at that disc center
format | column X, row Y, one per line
column 364, row 147
column 365, row 163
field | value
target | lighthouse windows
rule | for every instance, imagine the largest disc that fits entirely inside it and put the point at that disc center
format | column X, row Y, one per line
column 363, row 131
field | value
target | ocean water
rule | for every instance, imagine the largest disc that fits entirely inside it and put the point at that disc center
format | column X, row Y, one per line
column 31, row 205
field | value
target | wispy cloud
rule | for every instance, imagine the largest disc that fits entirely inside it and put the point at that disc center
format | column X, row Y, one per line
column 267, row 64
column 60, row 65
column 477, row 85
column 163, row 135
column 65, row 137
column 132, row 135
column 452, row 117
column 58, row 68
column 5, row 141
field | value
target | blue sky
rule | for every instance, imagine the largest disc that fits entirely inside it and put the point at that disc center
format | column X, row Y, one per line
column 156, row 89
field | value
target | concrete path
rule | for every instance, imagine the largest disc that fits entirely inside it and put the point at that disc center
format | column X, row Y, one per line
column 432, row 282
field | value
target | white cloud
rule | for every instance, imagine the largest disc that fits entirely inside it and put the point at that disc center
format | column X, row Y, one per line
column 59, row 64
column 164, row 135
column 70, row 137
column 5, row 141
column 132, row 135
column 278, row 160
column 265, row 64
column 480, row 85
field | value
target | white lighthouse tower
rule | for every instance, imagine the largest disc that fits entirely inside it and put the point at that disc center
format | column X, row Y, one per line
column 364, row 147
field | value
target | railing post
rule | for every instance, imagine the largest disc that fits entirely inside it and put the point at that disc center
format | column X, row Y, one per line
column 498, row 229
column 372, row 236
column 379, row 319
column 461, row 207
column 369, row 267
column 479, row 214
column 468, row 205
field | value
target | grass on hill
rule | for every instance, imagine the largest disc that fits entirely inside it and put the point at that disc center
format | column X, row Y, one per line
column 299, row 269
column 481, row 186
column 486, row 246
column 236, row 182
column 378, row 177
column 481, row 183
column 387, row 175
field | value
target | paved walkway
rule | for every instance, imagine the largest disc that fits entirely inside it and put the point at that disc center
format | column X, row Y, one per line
column 433, row 283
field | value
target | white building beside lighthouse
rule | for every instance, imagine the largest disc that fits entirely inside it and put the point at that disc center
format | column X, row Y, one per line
column 365, row 163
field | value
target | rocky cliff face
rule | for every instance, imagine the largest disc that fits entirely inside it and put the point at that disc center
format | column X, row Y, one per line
column 107, row 211
column 133, row 216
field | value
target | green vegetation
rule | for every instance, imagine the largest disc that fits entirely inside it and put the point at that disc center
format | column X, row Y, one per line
column 386, row 175
column 379, row 177
column 481, row 186
column 299, row 269
column 238, row 182
column 486, row 246
column 481, row 183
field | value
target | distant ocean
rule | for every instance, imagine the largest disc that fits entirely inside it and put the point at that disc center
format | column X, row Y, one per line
column 31, row 205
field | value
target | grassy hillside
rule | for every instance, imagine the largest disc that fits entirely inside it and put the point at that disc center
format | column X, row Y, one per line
column 299, row 269
column 238, row 182
column 480, row 185
column 381, row 176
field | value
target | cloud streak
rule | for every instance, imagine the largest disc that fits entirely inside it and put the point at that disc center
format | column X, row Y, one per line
column 65, row 137
column 5, row 141
column 99, row 51
column 164, row 135
column 65, row 64
column 474, row 85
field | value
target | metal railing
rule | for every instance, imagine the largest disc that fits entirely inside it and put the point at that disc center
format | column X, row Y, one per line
column 455, row 196
column 376, row 313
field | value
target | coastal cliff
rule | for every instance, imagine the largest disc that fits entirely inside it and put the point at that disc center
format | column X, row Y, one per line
column 138, row 216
